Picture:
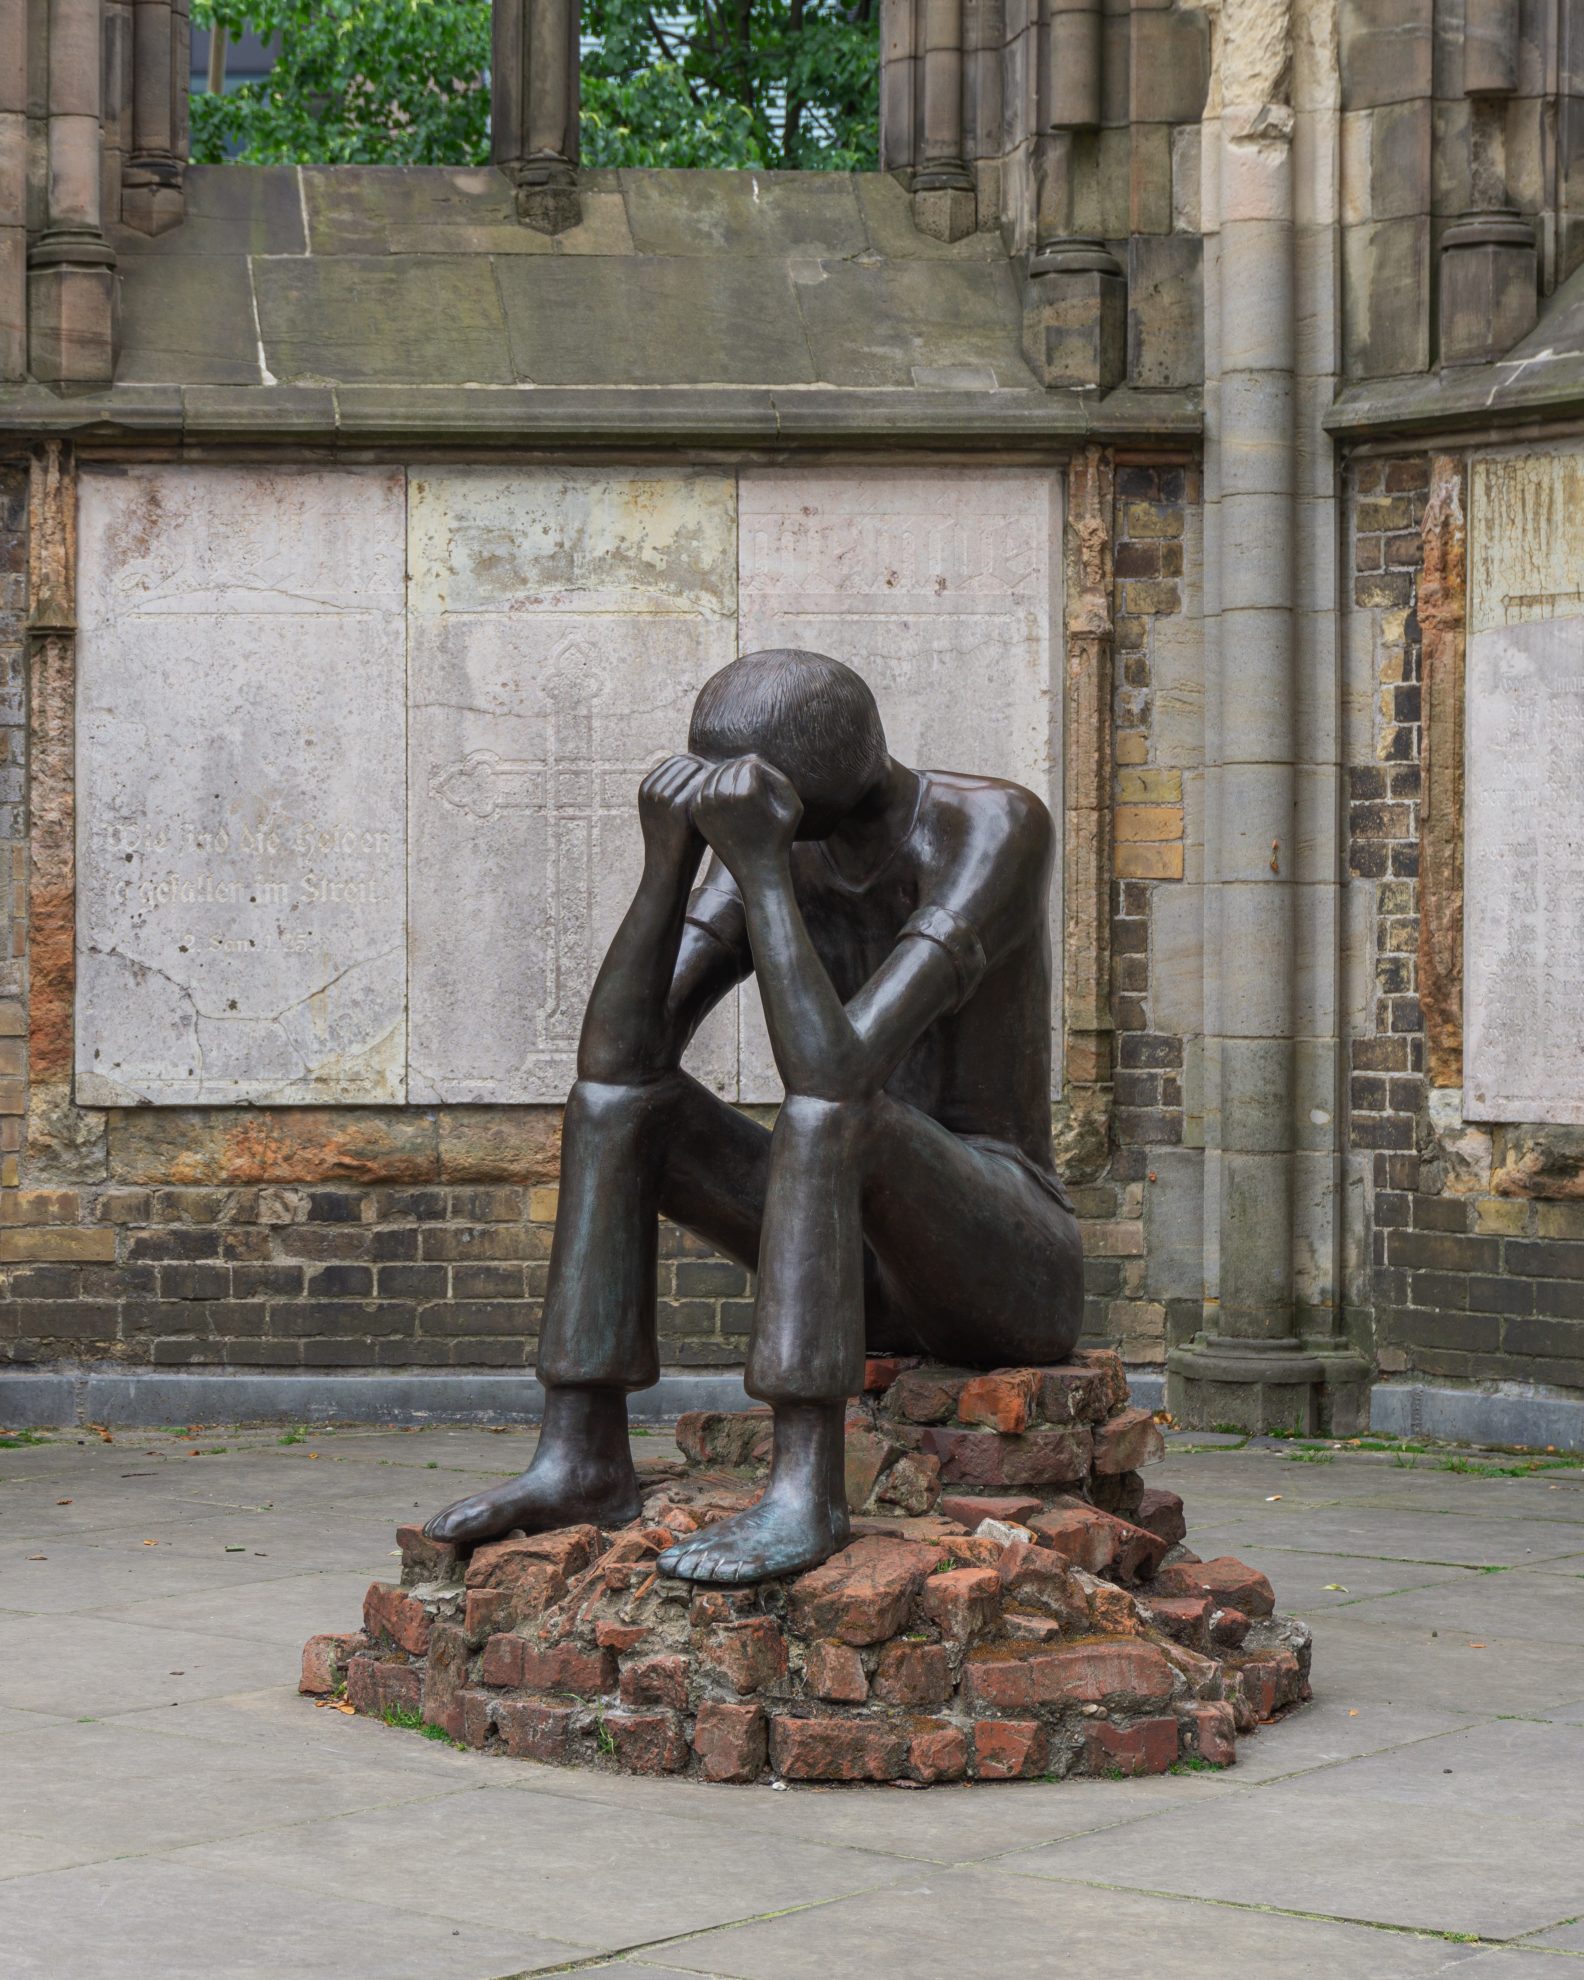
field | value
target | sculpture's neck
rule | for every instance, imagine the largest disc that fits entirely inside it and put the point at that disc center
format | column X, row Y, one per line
column 870, row 834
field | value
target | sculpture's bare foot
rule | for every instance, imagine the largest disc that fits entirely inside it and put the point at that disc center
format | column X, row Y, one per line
column 783, row 1534
column 801, row 1520
column 582, row 1471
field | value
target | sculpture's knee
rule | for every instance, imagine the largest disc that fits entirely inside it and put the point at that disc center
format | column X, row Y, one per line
column 832, row 1127
column 597, row 1108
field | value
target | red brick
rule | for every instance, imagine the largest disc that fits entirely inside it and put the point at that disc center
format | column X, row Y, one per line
column 862, row 1594
column 532, row 1729
column 376, row 1688
column 445, row 1673
column 324, row 1662
column 834, row 1671
column 1210, row 1731
column 1139, row 1552
column 913, row 1674
column 1147, row 1747
column 1161, row 1513
column 1228, row 1583
column 620, row 1637
column 656, row 1681
column 722, row 1605
column 726, row 1437
column 390, row 1612
column 1132, row 1673
column 730, row 1742
column 1085, row 1535
column 484, row 1612
column 424, row 1559
column 1073, row 1394
column 478, row 1716
column 1003, row 1401
column 746, row 1655
column 964, row 1603
column 1182, row 1617
column 514, row 1661
column 1008, row 1749
column 881, row 1370
column 1228, row 1627
column 1038, row 1578
column 1013, row 1508
column 983, row 1457
column 924, row 1395
column 912, row 1484
column 938, row 1753
column 648, row 1742
column 1130, row 1439
column 865, row 1456
column 836, row 1749
column 1270, row 1682
column 568, row 1549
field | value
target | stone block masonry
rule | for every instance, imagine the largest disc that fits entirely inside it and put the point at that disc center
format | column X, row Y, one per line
column 1065, row 1633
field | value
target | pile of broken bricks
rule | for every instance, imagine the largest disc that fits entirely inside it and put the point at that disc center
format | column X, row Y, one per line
column 1015, row 1602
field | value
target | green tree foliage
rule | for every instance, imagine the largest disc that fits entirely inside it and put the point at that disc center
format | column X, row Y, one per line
column 769, row 83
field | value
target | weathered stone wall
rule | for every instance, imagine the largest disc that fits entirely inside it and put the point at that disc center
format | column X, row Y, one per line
column 1468, row 1237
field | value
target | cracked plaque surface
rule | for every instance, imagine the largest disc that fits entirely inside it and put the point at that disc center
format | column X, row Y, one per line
column 562, row 622
column 241, row 915
column 1524, row 798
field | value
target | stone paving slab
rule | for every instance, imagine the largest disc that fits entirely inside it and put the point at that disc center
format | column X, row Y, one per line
column 213, row 1823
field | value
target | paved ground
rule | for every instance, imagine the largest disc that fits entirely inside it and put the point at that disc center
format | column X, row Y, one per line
column 169, row 1807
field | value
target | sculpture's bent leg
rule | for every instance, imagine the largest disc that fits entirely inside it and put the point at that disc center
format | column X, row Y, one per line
column 976, row 1263
column 628, row 1150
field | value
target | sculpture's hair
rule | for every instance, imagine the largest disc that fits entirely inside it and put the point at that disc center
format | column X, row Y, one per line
column 809, row 715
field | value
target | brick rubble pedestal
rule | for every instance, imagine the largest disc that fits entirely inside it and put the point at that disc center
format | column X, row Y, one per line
column 1014, row 1602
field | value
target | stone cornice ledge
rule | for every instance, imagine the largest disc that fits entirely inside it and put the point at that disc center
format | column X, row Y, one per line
column 1464, row 398
column 606, row 417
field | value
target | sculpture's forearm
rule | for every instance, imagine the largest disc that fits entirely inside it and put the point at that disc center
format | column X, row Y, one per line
column 818, row 1050
column 626, row 1027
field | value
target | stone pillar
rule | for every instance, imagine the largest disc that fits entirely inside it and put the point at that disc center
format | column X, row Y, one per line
column 1248, row 1367
column 13, row 192
column 1075, row 297
column 1489, row 292
column 1441, row 608
column 151, row 196
column 943, row 194
column 534, row 108
column 71, row 269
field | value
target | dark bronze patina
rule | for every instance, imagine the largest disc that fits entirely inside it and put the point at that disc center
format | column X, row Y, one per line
column 905, row 1200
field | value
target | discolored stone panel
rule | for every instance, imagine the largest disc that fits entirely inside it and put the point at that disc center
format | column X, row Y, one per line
column 240, row 908
column 562, row 622
column 1524, row 806
column 942, row 590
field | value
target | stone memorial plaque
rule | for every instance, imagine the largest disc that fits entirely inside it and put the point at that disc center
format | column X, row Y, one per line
column 942, row 587
column 241, row 923
column 1523, row 989
column 561, row 623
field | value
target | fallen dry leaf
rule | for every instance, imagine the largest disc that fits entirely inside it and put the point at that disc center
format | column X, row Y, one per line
column 151, row 1543
column 1335, row 1588
column 1476, row 1646
column 1352, row 1711
column 38, row 1557
column 63, row 1502
column 341, row 1705
column 1272, row 1497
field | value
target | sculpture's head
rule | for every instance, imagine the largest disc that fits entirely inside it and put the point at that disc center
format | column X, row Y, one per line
column 810, row 716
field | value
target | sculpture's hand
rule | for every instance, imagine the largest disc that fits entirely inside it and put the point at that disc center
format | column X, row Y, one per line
column 749, row 812
column 665, row 809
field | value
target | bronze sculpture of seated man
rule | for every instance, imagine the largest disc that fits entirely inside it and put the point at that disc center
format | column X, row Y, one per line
column 905, row 1200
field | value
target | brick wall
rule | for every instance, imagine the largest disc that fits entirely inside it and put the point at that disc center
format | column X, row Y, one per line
column 1474, row 1274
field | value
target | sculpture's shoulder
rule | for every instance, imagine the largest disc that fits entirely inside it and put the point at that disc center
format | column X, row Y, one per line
column 992, row 814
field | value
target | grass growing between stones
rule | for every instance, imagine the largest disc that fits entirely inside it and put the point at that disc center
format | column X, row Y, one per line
column 411, row 1720
column 16, row 1440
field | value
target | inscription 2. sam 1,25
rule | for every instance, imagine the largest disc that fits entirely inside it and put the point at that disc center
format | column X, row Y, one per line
column 241, row 899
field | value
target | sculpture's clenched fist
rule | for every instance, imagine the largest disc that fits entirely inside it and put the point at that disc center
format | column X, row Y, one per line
column 665, row 806
column 748, row 811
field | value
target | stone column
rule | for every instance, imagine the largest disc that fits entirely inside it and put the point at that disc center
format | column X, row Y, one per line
column 534, row 111
column 1075, row 299
column 1247, row 1367
column 13, row 192
column 943, row 195
column 71, row 269
column 1489, row 294
column 151, row 197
